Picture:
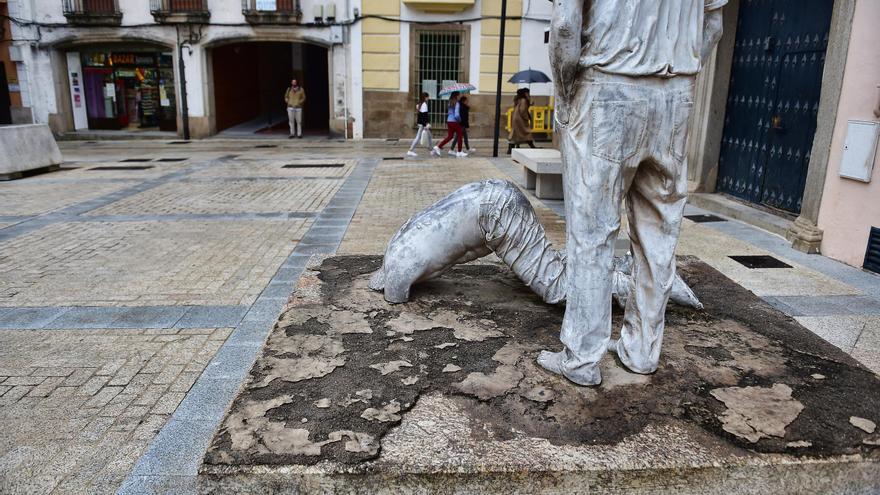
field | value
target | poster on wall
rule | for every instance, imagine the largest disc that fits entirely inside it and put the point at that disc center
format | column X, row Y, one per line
column 163, row 97
column 430, row 86
column 77, row 94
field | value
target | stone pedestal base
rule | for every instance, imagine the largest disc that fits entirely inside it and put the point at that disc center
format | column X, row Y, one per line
column 442, row 394
column 805, row 236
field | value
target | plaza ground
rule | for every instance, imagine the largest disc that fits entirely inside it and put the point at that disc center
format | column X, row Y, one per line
column 138, row 283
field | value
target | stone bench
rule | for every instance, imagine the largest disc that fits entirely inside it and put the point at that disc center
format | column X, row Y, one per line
column 543, row 171
column 26, row 148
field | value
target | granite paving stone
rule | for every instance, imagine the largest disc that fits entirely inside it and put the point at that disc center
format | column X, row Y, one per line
column 141, row 263
column 211, row 316
column 85, row 416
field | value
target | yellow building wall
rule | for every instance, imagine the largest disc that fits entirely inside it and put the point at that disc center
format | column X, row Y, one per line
column 489, row 45
column 381, row 45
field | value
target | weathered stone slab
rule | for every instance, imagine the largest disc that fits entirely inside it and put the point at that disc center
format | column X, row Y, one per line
column 542, row 169
column 353, row 394
column 27, row 147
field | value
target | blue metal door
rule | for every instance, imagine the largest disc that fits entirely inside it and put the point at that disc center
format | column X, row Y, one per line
column 775, row 82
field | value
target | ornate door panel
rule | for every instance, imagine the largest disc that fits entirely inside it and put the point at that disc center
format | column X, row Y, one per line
column 773, row 100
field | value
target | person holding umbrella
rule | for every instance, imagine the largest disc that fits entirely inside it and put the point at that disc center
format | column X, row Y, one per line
column 521, row 121
column 453, row 127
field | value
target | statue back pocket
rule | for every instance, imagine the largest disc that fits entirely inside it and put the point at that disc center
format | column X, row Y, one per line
column 680, row 124
column 617, row 128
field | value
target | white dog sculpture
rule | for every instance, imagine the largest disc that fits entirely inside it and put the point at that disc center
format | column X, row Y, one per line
column 481, row 218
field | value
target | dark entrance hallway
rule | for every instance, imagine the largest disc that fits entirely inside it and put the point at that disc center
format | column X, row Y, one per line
column 250, row 80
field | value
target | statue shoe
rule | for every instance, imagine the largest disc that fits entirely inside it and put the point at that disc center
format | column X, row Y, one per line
column 554, row 363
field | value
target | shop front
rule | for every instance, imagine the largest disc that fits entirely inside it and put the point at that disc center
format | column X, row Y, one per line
column 126, row 90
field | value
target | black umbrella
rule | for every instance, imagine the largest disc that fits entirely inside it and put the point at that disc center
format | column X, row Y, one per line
column 528, row 77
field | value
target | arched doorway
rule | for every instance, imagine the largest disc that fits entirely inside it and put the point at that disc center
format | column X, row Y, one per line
column 249, row 83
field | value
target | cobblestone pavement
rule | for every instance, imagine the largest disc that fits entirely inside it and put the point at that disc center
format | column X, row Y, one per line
column 133, row 300
column 399, row 189
column 227, row 196
column 40, row 197
column 145, row 262
column 79, row 406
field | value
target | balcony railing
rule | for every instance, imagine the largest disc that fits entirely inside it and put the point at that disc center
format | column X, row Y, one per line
column 180, row 11
column 271, row 11
column 92, row 12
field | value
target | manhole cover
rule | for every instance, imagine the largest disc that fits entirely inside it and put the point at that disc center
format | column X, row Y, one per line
column 759, row 261
column 128, row 160
column 313, row 165
column 704, row 218
column 123, row 167
column 266, row 146
column 171, row 159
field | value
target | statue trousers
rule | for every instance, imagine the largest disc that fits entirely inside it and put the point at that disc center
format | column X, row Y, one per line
column 626, row 137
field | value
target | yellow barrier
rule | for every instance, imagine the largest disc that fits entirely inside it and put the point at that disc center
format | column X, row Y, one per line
column 542, row 117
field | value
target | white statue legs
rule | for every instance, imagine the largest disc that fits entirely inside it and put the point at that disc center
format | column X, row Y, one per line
column 625, row 137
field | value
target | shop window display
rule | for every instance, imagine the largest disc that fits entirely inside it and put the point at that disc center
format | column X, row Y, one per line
column 130, row 91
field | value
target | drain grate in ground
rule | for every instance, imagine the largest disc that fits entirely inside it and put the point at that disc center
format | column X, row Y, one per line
column 313, row 165
column 171, row 159
column 392, row 140
column 393, row 158
column 180, row 142
column 704, row 218
column 131, row 160
column 759, row 261
column 123, row 167
column 266, row 146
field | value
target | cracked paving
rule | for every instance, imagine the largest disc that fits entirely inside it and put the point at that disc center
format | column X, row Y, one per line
column 342, row 370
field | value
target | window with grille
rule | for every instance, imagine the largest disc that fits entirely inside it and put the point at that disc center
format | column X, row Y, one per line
column 440, row 58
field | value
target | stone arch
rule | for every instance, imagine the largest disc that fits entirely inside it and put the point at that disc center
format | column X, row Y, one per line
column 220, row 115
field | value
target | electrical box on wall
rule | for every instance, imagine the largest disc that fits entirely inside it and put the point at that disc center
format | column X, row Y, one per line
column 859, row 150
column 337, row 34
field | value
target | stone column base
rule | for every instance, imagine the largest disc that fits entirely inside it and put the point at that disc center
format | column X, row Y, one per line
column 805, row 236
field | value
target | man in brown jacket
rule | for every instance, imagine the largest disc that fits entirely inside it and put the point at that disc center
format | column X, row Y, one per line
column 295, row 97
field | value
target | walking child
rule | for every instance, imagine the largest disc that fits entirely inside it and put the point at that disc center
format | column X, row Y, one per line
column 424, row 122
column 465, row 123
column 453, row 127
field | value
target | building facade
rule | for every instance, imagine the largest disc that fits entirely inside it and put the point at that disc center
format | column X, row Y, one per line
column 411, row 46
column 116, row 64
column 121, row 64
column 774, row 117
column 10, row 101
